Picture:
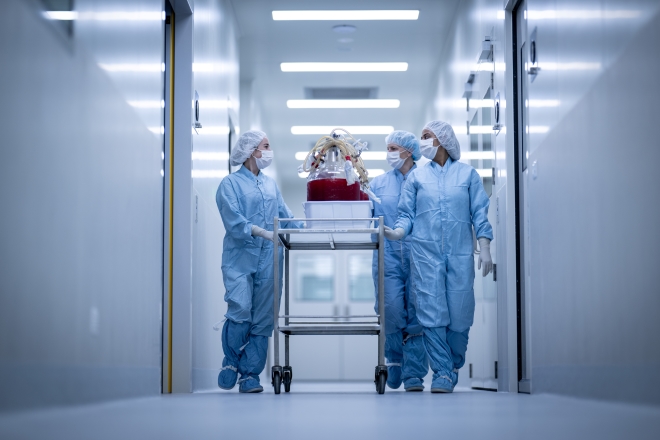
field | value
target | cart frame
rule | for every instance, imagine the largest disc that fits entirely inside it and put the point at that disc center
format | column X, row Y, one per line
column 281, row 237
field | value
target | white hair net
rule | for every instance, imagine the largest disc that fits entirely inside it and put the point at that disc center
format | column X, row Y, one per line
column 446, row 137
column 246, row 144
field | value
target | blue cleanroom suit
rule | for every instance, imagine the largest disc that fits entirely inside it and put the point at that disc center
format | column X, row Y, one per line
column 400, row 318
column 247, row 268
column 439, row 206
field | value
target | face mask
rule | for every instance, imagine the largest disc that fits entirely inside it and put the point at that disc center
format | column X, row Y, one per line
column 428, row 150
column 394, row 159
column 265, row 160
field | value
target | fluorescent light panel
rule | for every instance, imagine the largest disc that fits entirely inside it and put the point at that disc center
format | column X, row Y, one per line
column 105, row 16
column 209, row 174
column 346, row 15
column 209, row 155
column 344, row 67
column 343, row 103
column 476, row 155
column 353, row 129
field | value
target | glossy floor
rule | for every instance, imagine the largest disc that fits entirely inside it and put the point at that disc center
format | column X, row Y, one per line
column 339, row 411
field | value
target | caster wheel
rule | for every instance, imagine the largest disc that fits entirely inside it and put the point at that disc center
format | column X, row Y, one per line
column 277, row 382
column 288, row 376
column 381, row 379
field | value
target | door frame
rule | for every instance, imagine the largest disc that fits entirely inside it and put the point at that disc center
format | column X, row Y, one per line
column 177, row 214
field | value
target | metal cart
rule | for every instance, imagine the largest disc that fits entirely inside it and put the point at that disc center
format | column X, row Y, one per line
column 301, row 325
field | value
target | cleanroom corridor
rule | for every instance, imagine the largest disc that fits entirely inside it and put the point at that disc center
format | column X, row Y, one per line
column 509, row 146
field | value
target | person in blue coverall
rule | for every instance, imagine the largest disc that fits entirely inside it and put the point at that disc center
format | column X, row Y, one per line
column 248, row 201
column 404, row 346
column 440, row 204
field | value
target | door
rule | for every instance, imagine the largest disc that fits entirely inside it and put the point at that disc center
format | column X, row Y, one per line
column 521, row 49
column 481, row 357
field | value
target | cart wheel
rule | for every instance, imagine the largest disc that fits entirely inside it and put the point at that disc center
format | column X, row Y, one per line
column 288, row 376
column 381, row 380
column 277, row 382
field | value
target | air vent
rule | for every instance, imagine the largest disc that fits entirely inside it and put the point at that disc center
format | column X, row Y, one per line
column 341, row 92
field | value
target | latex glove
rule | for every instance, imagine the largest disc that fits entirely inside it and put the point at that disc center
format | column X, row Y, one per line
column 484, row 256
column 260, row 232
column 394, row 234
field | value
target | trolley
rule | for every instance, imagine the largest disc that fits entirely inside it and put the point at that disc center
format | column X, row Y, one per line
column 301, row 325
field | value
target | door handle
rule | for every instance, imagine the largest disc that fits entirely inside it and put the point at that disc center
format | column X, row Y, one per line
column 335, row 311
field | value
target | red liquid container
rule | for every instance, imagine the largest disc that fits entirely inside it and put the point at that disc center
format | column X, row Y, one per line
column 323, row 190
column 364, row 195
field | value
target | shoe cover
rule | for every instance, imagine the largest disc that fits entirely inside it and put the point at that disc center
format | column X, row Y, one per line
column 413, row 384
column 228, row 375
column 250, row 384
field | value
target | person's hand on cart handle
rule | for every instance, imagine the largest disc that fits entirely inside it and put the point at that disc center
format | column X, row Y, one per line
column 260, row 232
column 394, row 234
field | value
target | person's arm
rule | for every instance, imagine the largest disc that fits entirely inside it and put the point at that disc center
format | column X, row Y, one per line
column 283, row 211
column 407, row 207
column 479, row 203
column 236, row 225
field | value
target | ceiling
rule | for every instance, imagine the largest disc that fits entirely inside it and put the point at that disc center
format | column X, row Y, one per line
column 266, row 43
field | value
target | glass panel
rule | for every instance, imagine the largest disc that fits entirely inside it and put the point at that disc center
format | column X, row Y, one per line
column 316, row 278
column 360, row 280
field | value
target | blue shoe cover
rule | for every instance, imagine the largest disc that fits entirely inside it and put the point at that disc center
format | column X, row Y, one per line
column 442, row 384
column 250, row 385
column 413, row 384
column 228, row 375
column 394, row 376
column 454, row 377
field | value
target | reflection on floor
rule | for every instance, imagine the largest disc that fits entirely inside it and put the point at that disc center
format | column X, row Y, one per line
column 348, row 410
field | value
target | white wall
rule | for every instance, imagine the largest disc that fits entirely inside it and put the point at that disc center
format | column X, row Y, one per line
column 216, row 80
column 594, row 309
column 81, row 198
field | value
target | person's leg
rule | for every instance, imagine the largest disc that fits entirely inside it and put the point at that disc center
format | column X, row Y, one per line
column 237, row 326
column 415, row 361
column 394, row 358
column 439, row 353
column 254, row 359
column 234, row 339
column 460, row 300
column 395, row 314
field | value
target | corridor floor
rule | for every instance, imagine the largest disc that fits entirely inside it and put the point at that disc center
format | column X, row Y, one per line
column 339, row 411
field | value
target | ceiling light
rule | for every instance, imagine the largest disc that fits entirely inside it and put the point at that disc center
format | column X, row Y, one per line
column 353, row 129
column 209, row 174
column 374, row 172
column 209, row 155
column 344, row 67
column 345, row 40
column 347, row 15
column 343, row 103
column 61, row 15
column 476, row 155
column 374, row 155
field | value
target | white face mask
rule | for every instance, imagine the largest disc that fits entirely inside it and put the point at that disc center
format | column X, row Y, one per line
column 428, row 150
column 394, row 159
column 265, row 160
